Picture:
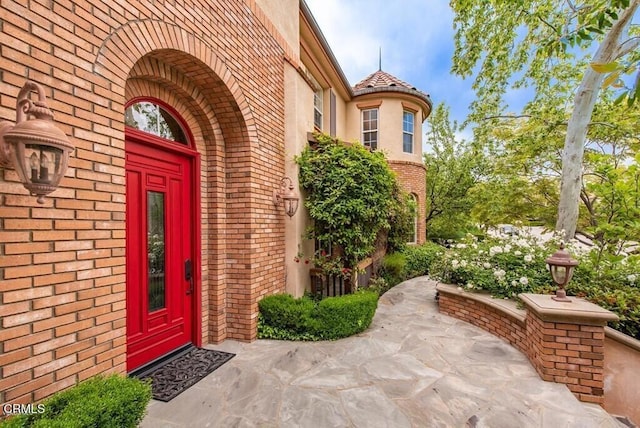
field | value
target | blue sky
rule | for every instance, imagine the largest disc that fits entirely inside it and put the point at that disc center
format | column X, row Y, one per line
column 416, row 37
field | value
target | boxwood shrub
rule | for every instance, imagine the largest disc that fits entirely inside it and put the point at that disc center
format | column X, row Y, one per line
column 109, row 402
column 282, row 310
column 283, row 317
column 343, row 316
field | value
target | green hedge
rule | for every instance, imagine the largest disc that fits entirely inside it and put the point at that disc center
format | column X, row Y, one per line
column 283, row 311
column 420, row 258
column 283, row 317
column 411, row 262
column 104, row 402
column 344, row 316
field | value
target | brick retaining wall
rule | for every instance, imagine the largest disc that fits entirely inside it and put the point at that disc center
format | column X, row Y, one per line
column 507, row 326
column 564, row 345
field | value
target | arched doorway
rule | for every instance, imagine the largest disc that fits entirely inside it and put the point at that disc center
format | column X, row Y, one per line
column 161, row 247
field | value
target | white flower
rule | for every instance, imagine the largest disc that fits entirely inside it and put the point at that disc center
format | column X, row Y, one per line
column 507, row 248
column 499, row 274
column 517, row 253
column 463, row 263
column 474, row 245
column 528, row 258
column 461, row 245
column 524, row 280
column 455, row 264
column 470, row 285
column 486, row 265
column 514, row 282
column 495, row 250
column 632, row 278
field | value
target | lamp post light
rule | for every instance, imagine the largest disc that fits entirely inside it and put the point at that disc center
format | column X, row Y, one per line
column 34, row 146
column 287, row 197
column 561, row 266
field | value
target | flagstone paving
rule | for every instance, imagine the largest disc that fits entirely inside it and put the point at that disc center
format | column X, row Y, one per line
column 414, row 367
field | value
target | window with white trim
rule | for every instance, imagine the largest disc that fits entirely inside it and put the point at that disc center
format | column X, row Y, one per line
column 370, row 128
column 317, row 108
column 407, row 131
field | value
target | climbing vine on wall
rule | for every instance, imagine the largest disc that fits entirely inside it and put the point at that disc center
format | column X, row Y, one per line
column 351, row 195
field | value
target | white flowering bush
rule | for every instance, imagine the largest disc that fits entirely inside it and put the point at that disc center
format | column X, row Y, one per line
column 503, row 267
column 506, row 267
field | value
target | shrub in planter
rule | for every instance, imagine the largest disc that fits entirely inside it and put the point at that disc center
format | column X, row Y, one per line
column 109, row 402
column 344, row 316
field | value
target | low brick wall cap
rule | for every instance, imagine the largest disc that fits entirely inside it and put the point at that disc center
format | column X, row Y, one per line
column 508, row 307
column 578, row 311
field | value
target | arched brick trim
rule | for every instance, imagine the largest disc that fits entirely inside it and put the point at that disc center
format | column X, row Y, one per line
column 146, row 36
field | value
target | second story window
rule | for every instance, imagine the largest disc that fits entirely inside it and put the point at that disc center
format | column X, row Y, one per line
column 317, row 109
column 370, row 128
column 407, row 131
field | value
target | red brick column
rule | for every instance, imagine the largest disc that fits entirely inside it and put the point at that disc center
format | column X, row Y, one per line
column 566, row 343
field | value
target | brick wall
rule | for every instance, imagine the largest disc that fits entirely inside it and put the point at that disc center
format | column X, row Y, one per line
column 412, row 177
column 486, row 317
column 569, row 353
column 62, row 264
column 562, row 352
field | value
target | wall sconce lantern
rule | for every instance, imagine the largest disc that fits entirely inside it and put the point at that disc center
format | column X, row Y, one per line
column 34, row 146
column 561, row 266
column 286, row 196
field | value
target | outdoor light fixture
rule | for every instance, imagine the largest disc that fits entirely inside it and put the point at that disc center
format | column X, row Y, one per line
column 34, row 146
column 286, row 196
column 561, row 266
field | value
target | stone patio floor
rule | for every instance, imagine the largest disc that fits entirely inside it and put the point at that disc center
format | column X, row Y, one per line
column 412, row 368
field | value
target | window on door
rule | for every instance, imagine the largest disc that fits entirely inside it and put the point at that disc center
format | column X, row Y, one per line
column 154, row 119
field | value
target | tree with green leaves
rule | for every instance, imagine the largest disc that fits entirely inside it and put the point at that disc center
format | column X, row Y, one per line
column 530, row 39
column 452, row 169
column 527, row 170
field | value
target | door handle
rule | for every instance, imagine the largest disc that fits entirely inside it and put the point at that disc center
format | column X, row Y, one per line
column 188, row 274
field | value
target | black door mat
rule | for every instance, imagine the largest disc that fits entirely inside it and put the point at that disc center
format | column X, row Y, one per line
column 184, row 370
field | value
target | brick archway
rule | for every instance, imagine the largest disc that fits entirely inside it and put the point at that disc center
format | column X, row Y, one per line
column 181, row 67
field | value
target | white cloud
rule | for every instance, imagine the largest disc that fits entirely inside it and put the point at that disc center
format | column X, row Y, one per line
column 417, row 43
column 408, row 33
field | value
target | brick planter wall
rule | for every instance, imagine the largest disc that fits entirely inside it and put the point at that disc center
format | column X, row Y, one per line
column 568, row 353
column 496, row 320
column 563, row 341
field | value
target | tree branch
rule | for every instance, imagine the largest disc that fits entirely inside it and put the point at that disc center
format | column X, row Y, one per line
column 624, row 49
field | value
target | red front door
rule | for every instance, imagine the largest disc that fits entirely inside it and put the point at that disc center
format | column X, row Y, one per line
column 159, row 251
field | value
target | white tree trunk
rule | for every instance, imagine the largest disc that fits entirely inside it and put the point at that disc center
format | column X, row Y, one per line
column 585, row 100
